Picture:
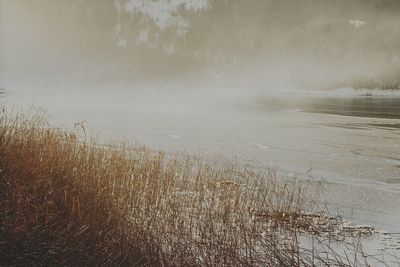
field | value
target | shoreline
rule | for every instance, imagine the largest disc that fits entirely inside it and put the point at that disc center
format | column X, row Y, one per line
column 222, row 196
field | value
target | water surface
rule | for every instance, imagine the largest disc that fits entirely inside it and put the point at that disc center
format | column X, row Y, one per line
column 351, row 142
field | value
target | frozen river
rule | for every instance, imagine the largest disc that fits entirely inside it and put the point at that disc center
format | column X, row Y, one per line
column 351, row 142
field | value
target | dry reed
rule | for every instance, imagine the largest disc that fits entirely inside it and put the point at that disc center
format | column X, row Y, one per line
column 67, row 201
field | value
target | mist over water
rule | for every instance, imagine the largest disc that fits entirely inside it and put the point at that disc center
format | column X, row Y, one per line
column 276, row 83
column 319, row 44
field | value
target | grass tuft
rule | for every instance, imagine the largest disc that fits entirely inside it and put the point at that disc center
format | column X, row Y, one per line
column 65, row 200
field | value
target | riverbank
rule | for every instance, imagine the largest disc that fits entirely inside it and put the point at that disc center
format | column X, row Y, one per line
column 66, row 200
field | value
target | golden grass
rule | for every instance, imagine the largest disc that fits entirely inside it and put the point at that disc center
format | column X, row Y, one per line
column 67, row 201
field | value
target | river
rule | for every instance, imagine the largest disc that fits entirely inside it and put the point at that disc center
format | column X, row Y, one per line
column 349, row 141
column 249, row 81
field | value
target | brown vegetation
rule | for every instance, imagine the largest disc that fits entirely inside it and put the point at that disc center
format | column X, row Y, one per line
column 67, row 201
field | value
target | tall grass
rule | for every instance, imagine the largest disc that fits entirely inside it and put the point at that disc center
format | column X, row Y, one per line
column 65, row 200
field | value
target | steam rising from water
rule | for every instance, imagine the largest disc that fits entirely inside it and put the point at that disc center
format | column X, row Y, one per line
column 139, row 69
column 254, row 43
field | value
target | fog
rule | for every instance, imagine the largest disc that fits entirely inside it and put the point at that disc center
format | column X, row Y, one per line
column 318, row 44
column 273, row 83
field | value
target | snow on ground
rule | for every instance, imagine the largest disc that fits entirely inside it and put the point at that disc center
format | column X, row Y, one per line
column 164, row 12
column 358, row 24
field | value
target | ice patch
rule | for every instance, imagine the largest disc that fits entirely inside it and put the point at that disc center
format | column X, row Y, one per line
column 262, row 146
column 339, row 92
column 364, row 92
column 258, row 145
column 357, row 24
